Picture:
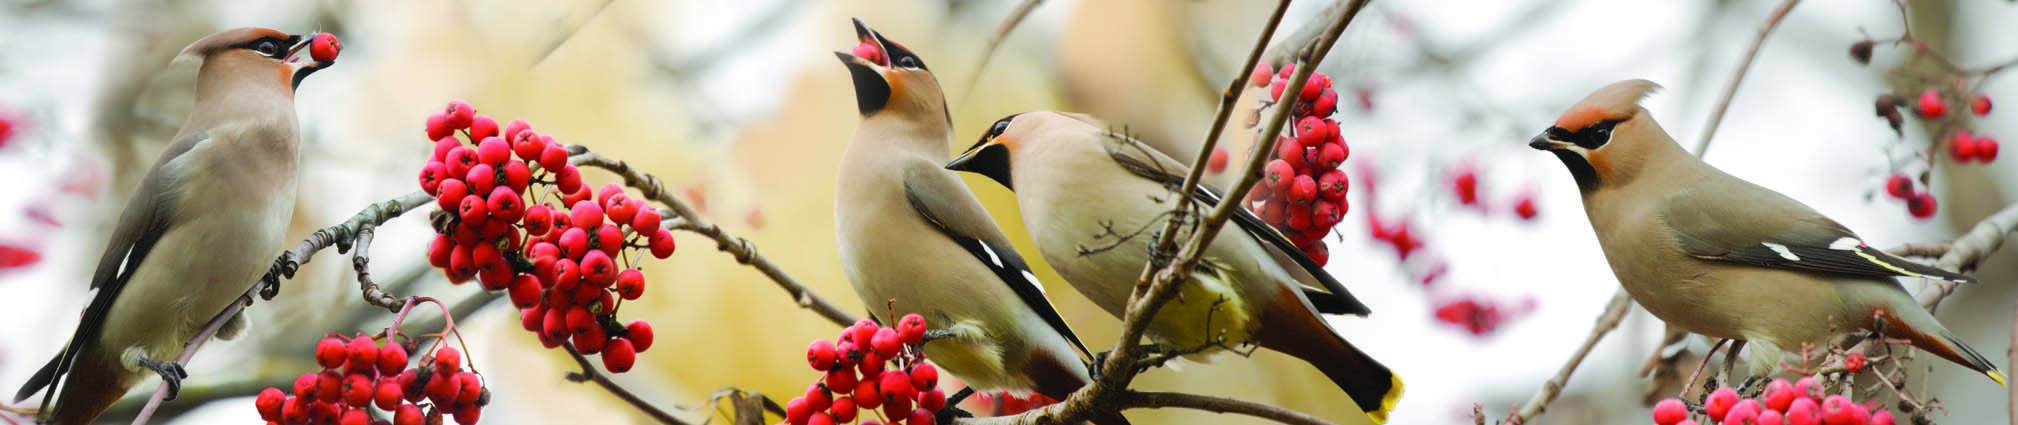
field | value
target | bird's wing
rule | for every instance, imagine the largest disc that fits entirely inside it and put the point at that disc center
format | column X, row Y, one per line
column 146, row 217
column 1776, row 231
column 942, row 200
column 1141, row 160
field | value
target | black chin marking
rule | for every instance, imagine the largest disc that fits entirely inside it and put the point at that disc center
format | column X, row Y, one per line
column 302, row 74
column 1580, row 168
column 871, row 92
column 991, row 161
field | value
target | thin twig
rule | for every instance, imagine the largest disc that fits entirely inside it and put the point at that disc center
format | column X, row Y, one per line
column 341, row 235
column 1002, row 33
column 1738, row 76
column 1614, row 312
column 1134, row 399
column 1966, row 251
column 590, row 373
column 1166, row 242
column 744, row 252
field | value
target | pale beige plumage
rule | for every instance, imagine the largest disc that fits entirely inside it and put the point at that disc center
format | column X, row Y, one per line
column 1720, row 256
column 913, row 239
column 204, row 224
column 1092, row 199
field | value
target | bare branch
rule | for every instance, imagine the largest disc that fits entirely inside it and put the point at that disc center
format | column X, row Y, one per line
column 1964, row 252
column 981, row 65
column 590, row 373
column 745, row 252
column 1738, row 76
column 1614, row 312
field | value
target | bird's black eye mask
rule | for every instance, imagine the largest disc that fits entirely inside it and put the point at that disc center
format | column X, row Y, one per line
column 271, row 47
column 1592, row 137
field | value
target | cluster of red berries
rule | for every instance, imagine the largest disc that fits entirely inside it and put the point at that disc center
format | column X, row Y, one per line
column 1798, row 403
column 1932, row 106
column 359, row 374
column 870, row 366
column 1919, row 203
column 1303, row 193
column 563, row 267
column 1464, row 182
column 1481, row 317
column 324, row 47
column 1966, row 147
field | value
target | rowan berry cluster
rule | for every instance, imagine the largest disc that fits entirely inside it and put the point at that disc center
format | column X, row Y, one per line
column 1919, row 202
column 870, row 367
column 523, row 222
column 1303, row 190
column 360, row 374
column 1782, row 403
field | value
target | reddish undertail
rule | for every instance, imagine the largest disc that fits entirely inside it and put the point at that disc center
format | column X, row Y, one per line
column 1941, row 343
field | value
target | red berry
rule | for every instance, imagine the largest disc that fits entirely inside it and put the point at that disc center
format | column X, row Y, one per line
column 443, row 390
column 1899, row 186
column 886, row 342
column 1315, row 85
column 608, row 194
column 820, row 418
column 844, row 409
column 467, row 414
column 358, row 390
column 459, row 114
column 598, row 269
column 1720, row 402
column 610, row 239
column 1921, row 205
column 1279, row 174
column 932, row 400
column 555, row 324
column 1262, row 74
column 1275, row 89
column 1525, row 207
column 586, row 215
column 269, row 402
column 459, row 160
column 568, row 180
column 921, row 417
column 662, row 244
column 481, row 178
column 580, row 320
column 324, row 47
column 1333, row 184
column 867, row 51
column 864, row 331
column 1215, row 164
column 431, row 176
column 1330, row 155
column 451, row 194
column 482, row 127
column 1986, row 149
column 1854, row 361
column 896, row 407
column 1884, row 417
column 1778, row 395
column 590, row 340
column 866, row 393
column 294, row 410
column 504, row 204
column 1745, row 412
column 1299, row 216
column 391, row 359
column 472, row 387
column 1302, row 190
column 1803, row 411
column 818, row 398
column 437, row 127
column 1318, row 253
column 1931, row 105
column 911, row 328
column 354, row 417
column 1963, row 146
column 1838, row 410
column 329, row 386
column 1670, row 412
column 1287, row 70
column 517, row 175
column 1326, row 103
column 363, row 354
column 330, row 353
column 1980, row 105
column 553, row 157
column 526, row 145
column 493, row 151
column 574, row 243
column 640, row 334
column 441, row 148
column 1311, row 131
column 1466, row 185
column 646, row 222
column 1272, row 211
column 618, row 355
column 539, row 219
column 1324, row 214
column 925, row 377
column 447, row 361
column 407, row 415
column 513, row 128
column 820, row 355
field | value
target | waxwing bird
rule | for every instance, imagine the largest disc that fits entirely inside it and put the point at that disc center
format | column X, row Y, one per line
column 205, row 222
column 1091, row 199
column 913, row 238
column 1722, row 257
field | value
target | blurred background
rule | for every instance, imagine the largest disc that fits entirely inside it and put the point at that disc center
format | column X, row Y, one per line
column 740, row 105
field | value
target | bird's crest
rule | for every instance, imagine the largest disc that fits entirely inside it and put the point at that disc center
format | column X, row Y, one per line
column 1613, row 102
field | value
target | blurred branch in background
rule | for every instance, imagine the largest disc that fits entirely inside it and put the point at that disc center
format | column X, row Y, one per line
column 1963, row 253
column 1738, row 75
column 995, row 41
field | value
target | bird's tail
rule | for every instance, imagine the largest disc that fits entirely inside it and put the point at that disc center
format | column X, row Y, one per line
column 1301, row 333
column 41, row 379
column 1921, row 330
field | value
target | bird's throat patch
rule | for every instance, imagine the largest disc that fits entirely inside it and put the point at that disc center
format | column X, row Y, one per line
column 1580, row 168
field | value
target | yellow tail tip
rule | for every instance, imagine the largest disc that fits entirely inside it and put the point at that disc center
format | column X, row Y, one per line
column 1997, row 375
column 1379, row 416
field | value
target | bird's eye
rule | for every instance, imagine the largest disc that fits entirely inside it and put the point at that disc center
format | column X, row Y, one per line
column 268, row 47
column 907, row 62
column 1001, row 126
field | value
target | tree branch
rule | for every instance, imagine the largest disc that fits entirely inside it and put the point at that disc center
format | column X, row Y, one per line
column 1738, row 76
column 341, row 235
column 744, row 252
column 1962, row 254
column 590, row 373
column 1614, row 312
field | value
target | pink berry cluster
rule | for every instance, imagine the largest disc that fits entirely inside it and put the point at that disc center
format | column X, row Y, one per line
column 1799, row 403
column 563, row 267
column 1963, row 145
column 359, row 374
column 870, row 366
column 1920, row 203
column 1464, row 184
column 1480, row 316
column 1303, row 190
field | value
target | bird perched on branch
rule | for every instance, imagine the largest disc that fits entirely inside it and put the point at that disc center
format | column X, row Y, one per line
column 1722, row 257
column 205, row 223
column 914, row 239
column 1092, row 200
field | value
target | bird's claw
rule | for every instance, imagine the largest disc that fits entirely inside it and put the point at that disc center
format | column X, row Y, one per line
column 171, row 374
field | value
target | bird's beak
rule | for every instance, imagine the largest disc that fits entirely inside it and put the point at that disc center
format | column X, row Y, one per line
column 298, row 67
column 872, row 90
column 869, row 35
column 987, row 158
column 1544, row 143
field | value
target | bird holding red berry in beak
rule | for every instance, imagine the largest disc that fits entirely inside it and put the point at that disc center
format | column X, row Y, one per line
column 1719, row 256
column 913, row 239
column 202, row 225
